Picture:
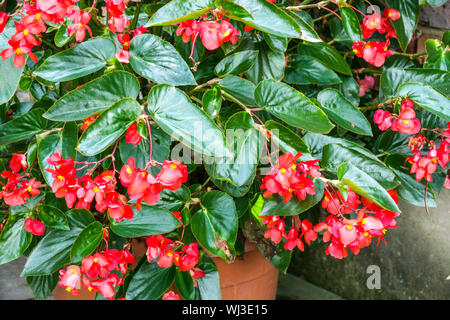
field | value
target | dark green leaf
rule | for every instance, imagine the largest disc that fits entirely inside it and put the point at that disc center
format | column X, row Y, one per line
column 239, row 88
column 94, row 96
column 86, row 242
column 438, row 55
column 351, row 23
column 53, row 251
column 405, row 26
column 179, row 10
column 53, row 217
column 214, row 222
column 174, row 200
column 343, row 112
column 233, row 8
column 61, row 36
column 86, row 58
column 269, row 64
column 185, row 285
column 172, row 110
column 236, row 63
column 364, row 185
column 158, row 61
column 149, row 221
column 209, row 285
column 109, row 126
column 308, row 32
column 150, row 282
column 14, row 239
column 327, row 55
column 23, row 127
column 212, row 101
column 42, row 286
column 307, row 70
column 291, row 106
column 288, row 140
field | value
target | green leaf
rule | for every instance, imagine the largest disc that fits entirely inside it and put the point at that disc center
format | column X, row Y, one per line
column 307, row 70
column 94, row 96
column 86, row 58
column 428, row 98
column 343, row 112
column 172, row 110
column 276, row 43
column 179, row 10
column 61, row 36
column 86, row 242
column 53, row 217
column 209, row 285
column 158, row 61
column 327, row 55
column 393, row 142
column 63, row 141
column 364, row 185
column 216, row 220
column 288, row 140
column 109, row 126
column 23, row 127
column 14, row 239
column 227, row 186
column 174, row 200
column 282, row 259
column 150, row 282
column 239, row 88
column 405, row 26
column 149, row 221
column 185, row 284
column 267, row 17
column 334, row 155
column 350, row 88
column 351, row 23
column 53, row 251
column 438, row 55
column 308, row 32
column 246, row 145
column 291, row 106
column 42, row 286
column 236, row 63
column 233, row 8
column 212, row 102
column 392, row 78
column 410, row 190
column 275, row 205
column 269, row 64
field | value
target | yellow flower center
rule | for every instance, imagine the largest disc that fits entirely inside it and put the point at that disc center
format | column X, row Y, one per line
column 226, row 33
column 434, row 160
column 18, row 51
column 89, row 288
column 125, row 44
column 38, row 16
column 74, row 271
column 405, row 121
column 68, row 289
column 60, row 178
column 366, row 234
column 80, row 25
column 293, row 167
column 173, row 166
column 129, row 171
column 96, row 189
column 95, row 260
column 29, row 189
column 384, row 231
column 170, row 254
column 25, row 32
column 349, row 227
column 283, row 170
column 372, row 22
column 364, row 221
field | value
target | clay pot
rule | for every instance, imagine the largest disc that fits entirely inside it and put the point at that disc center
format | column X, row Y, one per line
column 250, row 278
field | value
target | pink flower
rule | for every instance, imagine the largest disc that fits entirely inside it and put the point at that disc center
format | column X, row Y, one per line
column 383, row 119
column 406, row 123
column 365, row 84
column 170, row 295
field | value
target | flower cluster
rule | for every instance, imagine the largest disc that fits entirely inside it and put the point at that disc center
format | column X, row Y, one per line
column 34, row 226
column 17, row 189
column 132, row 136
column 118, row 21
column 375, row 52
column 212, row 33
column 365, row 84
column 79, row 26
column 405, row 123
column 96, row 274
column 287, row 177
column 143, row 186
column 124, row 55
column 166, row 253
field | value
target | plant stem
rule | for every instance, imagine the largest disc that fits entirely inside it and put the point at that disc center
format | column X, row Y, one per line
column 136, row 16
column 307, row 6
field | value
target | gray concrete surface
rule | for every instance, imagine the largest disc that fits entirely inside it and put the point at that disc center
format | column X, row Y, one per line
column 12, row 286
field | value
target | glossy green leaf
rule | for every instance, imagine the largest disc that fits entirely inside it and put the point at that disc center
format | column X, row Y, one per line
column 23, row 127
column 150, row 282
column 53, row 217
column 327, row 55
column 343, row 112
column 428, row 98
column 86, row 242
column 291, row 106
column 85, row 58
column 438, row 55
column 94, row 96
column 282, row 258
column 236, row 63
column 276, row 43
column 14, row 239
column 226, row 186
column 174, row 200
column 216, row 222
column 149, row 221
column 267, row 17
column 307, row 70
column 350, row 88
column 393, row 142
column 410, row 190
column 406, row 25
column 158, row 61
column 246, row 145
column 212, row 102
column 364, row 185
column 239, row 88
column 288, row 140
column 109, row 126
column 61, row 35
column 334, row 155
column 392, row 78
column 308, row 32
column 173, row 111
column 42, row 286
column 351, row 23
column 53, row 251
column 179, row 10
column 233, row 8
column 268, row 65
column 185, row 285
column 63, row 141
column 209, row 285
column 275, row 205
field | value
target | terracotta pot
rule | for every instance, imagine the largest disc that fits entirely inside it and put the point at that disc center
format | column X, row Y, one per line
column 249, row 278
